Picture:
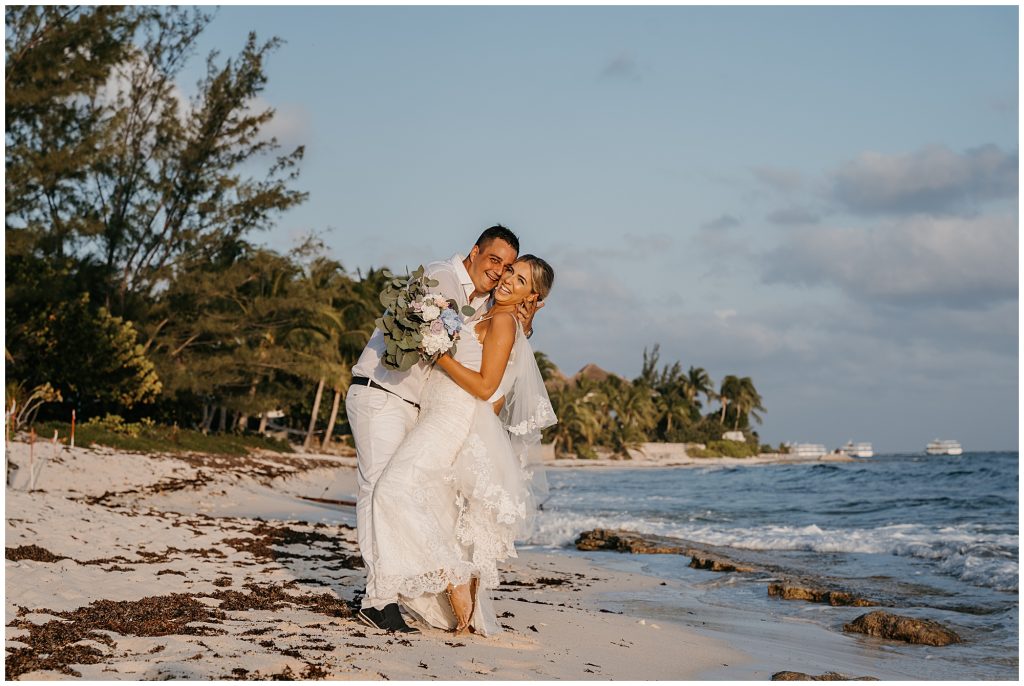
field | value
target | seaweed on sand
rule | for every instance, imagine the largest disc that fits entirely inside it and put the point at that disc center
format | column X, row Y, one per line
column 56, row 644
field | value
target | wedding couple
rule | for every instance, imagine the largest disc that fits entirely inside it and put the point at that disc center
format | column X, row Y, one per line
column 444, row 484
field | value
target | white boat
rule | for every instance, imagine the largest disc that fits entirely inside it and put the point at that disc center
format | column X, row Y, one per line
column 858, row 449
column 807, row 449
column 938, row 447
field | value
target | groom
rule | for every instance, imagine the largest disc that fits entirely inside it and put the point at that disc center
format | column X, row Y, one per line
column 382, row 404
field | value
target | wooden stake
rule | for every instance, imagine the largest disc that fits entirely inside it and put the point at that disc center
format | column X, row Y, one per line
column 330, row 422
column 12, row 415
column 31, row 454
column 312, row 417
column 72, row 428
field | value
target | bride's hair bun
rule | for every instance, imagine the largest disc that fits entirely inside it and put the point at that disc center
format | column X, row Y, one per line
column 541, row 272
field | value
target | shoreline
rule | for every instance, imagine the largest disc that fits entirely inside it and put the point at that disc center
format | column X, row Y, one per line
column 270, row 579
column 691, row 462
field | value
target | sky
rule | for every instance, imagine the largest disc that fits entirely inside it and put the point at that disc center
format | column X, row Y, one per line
column 823, row 199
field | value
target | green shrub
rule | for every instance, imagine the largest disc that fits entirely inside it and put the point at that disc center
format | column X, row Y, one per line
column 725, row 449
column 148, row 437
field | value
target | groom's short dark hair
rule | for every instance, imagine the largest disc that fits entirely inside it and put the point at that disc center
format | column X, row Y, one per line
column 500, row 232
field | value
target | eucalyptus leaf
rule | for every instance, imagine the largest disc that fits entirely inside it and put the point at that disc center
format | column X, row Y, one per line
column 468, row 311
column 408, row 359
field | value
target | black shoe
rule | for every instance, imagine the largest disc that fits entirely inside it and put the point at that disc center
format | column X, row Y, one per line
column 371, row 617
column 396, row 622
column 388, row 619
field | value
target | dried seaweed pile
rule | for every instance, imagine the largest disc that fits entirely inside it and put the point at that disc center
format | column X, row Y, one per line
column 55, row 645
column 263, row 467
column 31, row 552
column 266, row 536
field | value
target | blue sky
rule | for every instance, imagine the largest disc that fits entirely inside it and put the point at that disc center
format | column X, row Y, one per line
column 822, row 199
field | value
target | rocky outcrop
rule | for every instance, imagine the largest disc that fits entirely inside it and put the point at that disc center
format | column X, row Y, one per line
column 626, row 542
column 645, row 544
column 788, row 591
column 827, row 676
column 718, row 564
column 900, row 628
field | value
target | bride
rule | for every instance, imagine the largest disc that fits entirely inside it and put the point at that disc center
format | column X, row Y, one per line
column 458, row 491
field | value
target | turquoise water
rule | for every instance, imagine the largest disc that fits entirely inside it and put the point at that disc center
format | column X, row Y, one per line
column 934, row 537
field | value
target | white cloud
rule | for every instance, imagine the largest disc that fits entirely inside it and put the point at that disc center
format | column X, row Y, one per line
column 935, row 180
column 959, row 262
column 290, row 125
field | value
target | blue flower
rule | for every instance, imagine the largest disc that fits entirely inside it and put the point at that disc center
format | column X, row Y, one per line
column 452, row 321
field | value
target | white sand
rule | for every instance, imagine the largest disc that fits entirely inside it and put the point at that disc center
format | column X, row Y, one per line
column 556, row 631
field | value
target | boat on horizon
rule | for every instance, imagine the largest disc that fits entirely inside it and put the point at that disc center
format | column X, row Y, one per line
column 947, row 447
column 807, row 449
column 858, row 449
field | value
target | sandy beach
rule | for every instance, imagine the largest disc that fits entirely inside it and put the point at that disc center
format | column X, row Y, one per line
column 129, row 566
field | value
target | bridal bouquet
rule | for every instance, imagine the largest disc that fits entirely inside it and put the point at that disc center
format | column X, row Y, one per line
column 417, row 325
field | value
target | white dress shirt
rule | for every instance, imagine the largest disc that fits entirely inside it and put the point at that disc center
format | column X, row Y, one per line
column 454, row 283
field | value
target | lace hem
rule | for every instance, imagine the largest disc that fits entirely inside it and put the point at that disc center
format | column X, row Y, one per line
column 430, row 582
column 542, row 417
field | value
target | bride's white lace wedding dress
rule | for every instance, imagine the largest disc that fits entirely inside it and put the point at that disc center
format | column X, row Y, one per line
column 458, row 490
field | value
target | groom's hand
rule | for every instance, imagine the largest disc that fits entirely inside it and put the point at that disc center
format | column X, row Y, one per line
column 525, row 313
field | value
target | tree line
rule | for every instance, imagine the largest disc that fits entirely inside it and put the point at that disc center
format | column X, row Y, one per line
column 135, row 284
column 598, row 410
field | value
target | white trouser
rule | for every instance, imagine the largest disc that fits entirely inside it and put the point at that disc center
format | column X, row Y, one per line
column 379, row 422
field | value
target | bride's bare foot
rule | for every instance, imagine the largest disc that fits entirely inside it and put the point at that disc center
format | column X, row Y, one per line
column 474, row 583
column 461, row 599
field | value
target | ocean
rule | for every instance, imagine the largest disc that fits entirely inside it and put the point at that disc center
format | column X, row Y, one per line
column 934, row 537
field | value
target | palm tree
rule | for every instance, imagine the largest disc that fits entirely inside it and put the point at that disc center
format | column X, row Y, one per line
column 631, row 411
column 747, row 402
column 579, row 423
column 728, row 393
column 548, row 370
column 698, row 382
column 674, row 412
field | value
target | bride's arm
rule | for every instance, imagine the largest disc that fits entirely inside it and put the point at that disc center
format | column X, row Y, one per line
column 497, row 347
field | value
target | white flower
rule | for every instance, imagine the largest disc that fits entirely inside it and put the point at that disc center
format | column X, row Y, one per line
column 434, row 343
column 430, row 312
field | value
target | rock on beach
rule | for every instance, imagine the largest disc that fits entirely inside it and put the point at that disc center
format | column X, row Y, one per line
column 827, row 676
column 900, row 628
column 788, row 591
column 646, row 544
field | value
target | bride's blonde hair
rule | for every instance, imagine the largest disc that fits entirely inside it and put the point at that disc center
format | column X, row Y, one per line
column 541, row 273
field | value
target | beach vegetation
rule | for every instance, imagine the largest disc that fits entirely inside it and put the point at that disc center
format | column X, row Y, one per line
column 726, row 449
column 598, row 411
column 151, row 437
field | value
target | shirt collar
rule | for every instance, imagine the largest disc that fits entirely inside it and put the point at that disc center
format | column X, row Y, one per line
column 464, row 278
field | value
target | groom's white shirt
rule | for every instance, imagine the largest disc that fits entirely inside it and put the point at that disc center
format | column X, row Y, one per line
column 453, row 282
